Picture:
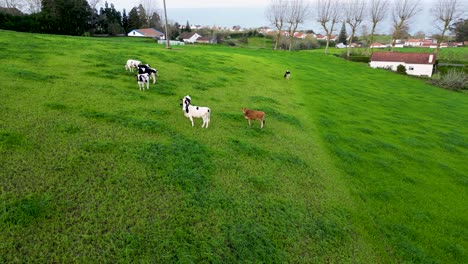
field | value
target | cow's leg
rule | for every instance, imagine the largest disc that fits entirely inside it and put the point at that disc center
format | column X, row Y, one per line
column 191, row 119
column 249, row 121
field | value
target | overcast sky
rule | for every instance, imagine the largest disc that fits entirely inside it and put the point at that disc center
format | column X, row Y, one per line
column 128, row 4
column 246, row 13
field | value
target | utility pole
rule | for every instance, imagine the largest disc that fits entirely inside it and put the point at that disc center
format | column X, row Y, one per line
column 168, row 46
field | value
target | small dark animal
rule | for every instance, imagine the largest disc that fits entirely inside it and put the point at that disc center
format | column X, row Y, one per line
column 254, row 115
column 287, row 74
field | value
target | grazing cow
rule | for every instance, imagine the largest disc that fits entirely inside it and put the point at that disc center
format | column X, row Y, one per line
column 132, row 64
column 287, row 74
column 143, row 79
column 192, row 111
column 254, row 115
column 146, row 68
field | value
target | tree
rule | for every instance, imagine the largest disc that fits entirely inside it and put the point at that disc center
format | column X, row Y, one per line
column 445, row 12
column 328, row 15
column 402, row 12
column 419, row 35
column 133, row 19
column 32, row 6
column 187, row 27
column 343, row 37
column 276, row 13
column 298, row 11
column 378, row 9
column 355, row 11
column 109, row 21
column 18, row 4
column 151, row 13
column 125, row 21
column 142, row 16
column 67, row 17
column 460, row 28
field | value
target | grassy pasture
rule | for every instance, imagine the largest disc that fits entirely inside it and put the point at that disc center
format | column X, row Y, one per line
column 354, row 164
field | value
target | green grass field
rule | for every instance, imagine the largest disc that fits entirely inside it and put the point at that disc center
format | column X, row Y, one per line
column 354, row 165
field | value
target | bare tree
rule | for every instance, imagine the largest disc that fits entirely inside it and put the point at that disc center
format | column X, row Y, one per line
column 402, row 12
column 445, row 12
column 18, row 4
column 298, row 12
column 92, row 3
column 150, row 9
column 32, row 6
column 276, row 13
column 328, row 14
column 378, row 9
column 354, row 15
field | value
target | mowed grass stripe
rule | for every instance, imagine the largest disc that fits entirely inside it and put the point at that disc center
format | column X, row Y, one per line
column 94, row 170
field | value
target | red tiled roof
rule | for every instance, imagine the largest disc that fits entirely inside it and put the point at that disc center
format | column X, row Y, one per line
column 416, row 58
column 150, row 32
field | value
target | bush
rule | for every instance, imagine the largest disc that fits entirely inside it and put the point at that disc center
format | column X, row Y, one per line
column 401, row 69
column 365, row 59
column 454, row 80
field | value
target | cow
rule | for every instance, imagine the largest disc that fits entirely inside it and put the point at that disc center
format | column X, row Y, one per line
column 287, row 74
column 131, row 64
column 146, row 68
column 254, row 115
column 192, row 111
column 143, row 79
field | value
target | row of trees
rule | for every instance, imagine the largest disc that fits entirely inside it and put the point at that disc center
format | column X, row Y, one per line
column 286, row 15
column 78, row 17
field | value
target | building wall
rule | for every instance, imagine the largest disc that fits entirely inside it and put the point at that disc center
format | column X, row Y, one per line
column 133, row 33
column 411, row 69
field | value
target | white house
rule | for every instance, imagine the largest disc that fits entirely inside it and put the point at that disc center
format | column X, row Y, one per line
column 420, row 64
column 189, row 37
column 147, row 32
column 377, row 45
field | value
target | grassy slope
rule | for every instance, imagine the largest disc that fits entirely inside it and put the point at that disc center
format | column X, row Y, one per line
column 348, row 167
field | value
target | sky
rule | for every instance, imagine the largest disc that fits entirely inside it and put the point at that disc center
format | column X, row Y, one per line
column 247, row 13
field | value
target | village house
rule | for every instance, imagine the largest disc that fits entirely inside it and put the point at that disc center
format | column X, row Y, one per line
column 377, row 45
column 324, row 37
column 189, row 37
column 147, row 33
column 419, row 64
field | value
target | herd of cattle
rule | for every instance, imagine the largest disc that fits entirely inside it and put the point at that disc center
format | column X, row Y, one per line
column 145, row 73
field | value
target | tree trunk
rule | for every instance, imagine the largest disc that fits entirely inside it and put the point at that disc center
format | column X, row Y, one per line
column 371, row 38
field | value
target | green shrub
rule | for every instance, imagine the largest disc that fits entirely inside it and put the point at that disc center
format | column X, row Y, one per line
column 365, row 59
column 452, row 80
column 401, row 69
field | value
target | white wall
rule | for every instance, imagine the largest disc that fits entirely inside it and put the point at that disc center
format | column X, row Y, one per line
column 417, row 69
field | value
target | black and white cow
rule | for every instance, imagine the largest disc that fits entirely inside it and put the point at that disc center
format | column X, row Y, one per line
column 192, row 111
column 143, row 79
column 287, row 74
column 146, row 68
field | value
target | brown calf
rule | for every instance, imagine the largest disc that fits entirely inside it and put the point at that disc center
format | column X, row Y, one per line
column 254, row 115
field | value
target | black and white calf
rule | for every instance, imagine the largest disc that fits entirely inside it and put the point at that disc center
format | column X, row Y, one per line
column 192, row 111
column 143, row 79
column 146, row 68
column 287, row 74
